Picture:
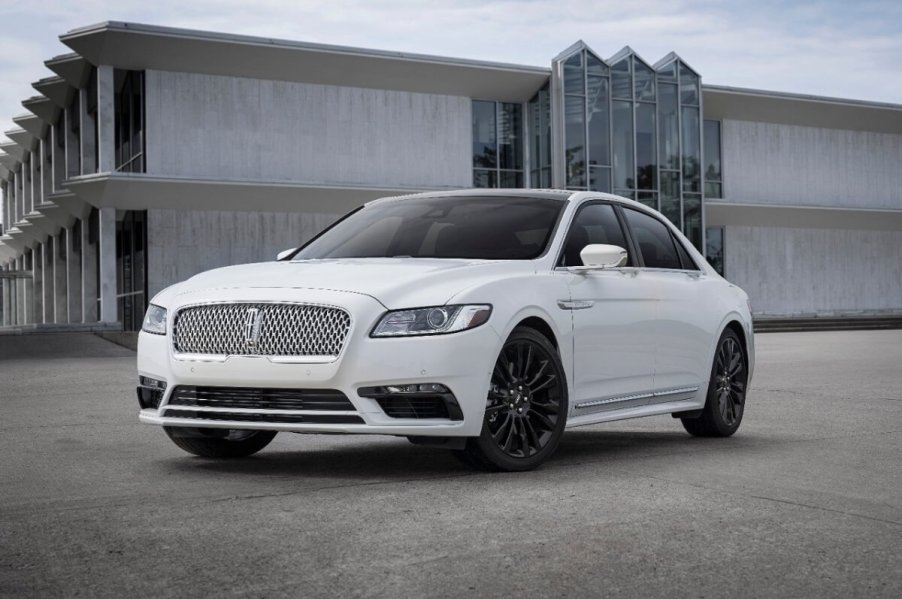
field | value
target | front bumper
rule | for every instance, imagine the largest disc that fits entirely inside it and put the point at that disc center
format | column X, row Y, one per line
column 462, row 362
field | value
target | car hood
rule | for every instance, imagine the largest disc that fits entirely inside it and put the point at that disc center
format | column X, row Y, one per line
column 395, row 282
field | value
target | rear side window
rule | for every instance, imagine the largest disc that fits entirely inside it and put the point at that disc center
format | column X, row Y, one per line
column 594, row 223
column 654, row 240
column 688, row 262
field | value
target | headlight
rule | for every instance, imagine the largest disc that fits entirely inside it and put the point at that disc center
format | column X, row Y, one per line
column 431, row 321
column 154, row 320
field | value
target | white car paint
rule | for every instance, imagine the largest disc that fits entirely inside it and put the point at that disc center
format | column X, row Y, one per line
column 633, row 341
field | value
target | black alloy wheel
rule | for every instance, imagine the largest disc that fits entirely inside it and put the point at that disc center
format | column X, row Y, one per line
column 526, row 407
column 218, row 442
column 725, row 403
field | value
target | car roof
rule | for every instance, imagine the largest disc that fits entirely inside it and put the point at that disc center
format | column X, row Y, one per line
column 552, row 194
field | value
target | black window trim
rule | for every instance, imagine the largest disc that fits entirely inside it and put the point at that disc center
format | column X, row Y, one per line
column 673, row 237
column 627, row 234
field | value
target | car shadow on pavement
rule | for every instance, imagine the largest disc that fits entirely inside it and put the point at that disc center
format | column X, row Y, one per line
column 398, row 460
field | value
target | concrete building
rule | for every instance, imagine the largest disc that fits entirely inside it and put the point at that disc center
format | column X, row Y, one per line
column 154, row 153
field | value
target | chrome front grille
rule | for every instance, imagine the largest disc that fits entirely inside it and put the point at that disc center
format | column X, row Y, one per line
column 261, row 329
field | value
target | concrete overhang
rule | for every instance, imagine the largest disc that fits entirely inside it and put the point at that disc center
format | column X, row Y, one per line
column 13, row 151
column 6, row 252
column 138, row 46
column 31, row 123
column 24, row 235
column 42, row 223
column 4, row 172
column 25, row 139
column 56, row 89
column 42, row 107
column 793, row 109
column 15, row 241
column 71, row 67
column 56, row 214
column 139, row 192
column 71, row 204
column 727, row 214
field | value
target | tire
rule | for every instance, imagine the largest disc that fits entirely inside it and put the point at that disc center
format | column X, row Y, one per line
column 725, row 403
column 219, row 443
column 526, row 407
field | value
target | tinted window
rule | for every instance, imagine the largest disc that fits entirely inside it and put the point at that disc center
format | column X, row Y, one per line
column 491, row 228
column 685, row 258
column 653, row 239
column 595, row 223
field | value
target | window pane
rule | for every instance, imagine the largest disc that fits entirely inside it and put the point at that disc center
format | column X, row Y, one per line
column 668, row 73
column 646, row 167
column 688, row 86
column 484, row 143
column 626, row 193
column 670, row 196
column 691, row 150
column 546, row 177
column 573, row 75
column 714, row 248
column 648, row 198
column 575, row 140
column 511, row 179
column 599, row 124
column 686, row 260
column 510, row 142
column 644, row 79
column 540, row 115
column 595, row 223
column 712, row 151
column 621, row 84
column 713, row 190
column 596, row 71
column 624, row 170
column 669, row 127
column 482, row 178
column 600, row 179
column 653, row 239
column 692, row 219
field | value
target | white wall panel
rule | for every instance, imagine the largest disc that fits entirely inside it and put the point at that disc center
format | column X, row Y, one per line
column 237, row 128
column 182, row 243
column 789, row 271
column 769, row 163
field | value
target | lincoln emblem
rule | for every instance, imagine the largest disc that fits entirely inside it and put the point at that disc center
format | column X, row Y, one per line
column 252, row 326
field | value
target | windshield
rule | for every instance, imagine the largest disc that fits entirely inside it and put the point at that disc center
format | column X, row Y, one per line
column 490, row 228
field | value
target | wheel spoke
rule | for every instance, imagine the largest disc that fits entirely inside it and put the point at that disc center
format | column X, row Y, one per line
column 524, row 441
column 549, row 381
column 533, row 437
column 538, row 375
column 544, row 420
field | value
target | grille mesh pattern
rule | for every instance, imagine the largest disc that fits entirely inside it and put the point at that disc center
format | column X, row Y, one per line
column 261, row 330
column 260, row 398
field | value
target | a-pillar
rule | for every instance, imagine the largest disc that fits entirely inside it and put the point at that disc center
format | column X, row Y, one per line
column 60, row 290
column 107, row 266
column 73, row 271
column 89, row 269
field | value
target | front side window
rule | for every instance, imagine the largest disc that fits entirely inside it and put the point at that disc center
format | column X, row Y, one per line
column 654, row 240
column 594, row 223
column 485, row 228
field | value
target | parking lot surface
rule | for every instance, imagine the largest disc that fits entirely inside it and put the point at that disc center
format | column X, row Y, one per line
column 805, row 501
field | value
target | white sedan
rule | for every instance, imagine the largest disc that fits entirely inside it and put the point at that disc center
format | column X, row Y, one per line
column 483, row 321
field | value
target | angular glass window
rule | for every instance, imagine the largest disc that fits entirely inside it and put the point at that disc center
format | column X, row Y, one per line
column 600, row 179
column 691, row 150
column 485, row 178
column 626, row 193
column 670, row 196
column 511, row 179
column 599, row 123
column 688, row 86
column 510, row 145
column 596, row 73
column 485, row 144
column 574, row 74
column 648, row 198
column 575, row 140
column 644, row 81
column 646, row 164
column 692, row 219
column 714, row 248
column 624, row 167
column 621, row 78
column 668, row 73
column 540, row 128
column 668, row 126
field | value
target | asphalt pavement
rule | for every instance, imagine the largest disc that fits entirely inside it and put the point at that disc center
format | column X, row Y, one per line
column 804, row 501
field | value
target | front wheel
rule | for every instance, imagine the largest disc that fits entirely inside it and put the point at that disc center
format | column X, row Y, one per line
column 218, row 442
column 725, row 403
column 526, row 407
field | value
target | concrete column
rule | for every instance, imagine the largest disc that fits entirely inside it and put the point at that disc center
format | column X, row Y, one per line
column 47, row 280
column 28, row 294
column 20, row 293
column 60, row 290
column 7, row 302
column 27, row 181
column 106, row 123
column 46, row 167
column 73, row 148
column 86, row 134
column 37, row 282
column 88, row 274
column 107, row 250
column 73, row 272
column 57, row 154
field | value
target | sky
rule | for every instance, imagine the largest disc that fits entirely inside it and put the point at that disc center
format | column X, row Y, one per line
column 847, row 49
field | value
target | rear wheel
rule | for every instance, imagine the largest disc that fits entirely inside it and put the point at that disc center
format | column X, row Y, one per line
column 219, row 442
column 725, row 403
column 526, row 407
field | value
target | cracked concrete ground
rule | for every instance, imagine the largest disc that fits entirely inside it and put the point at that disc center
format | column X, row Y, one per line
column 805, row 501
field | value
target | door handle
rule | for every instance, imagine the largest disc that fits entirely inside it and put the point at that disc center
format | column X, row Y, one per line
column 575, row 304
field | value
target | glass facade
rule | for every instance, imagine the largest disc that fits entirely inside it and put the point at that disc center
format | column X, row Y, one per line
column 129, row 117
column 539, row 109
column 497, row 144
column 713, row 170
column 635, row 130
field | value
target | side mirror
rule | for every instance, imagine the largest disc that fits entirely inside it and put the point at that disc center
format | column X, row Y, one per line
column 284, row 254
column 600, row 255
